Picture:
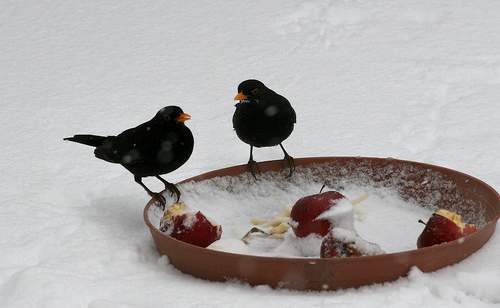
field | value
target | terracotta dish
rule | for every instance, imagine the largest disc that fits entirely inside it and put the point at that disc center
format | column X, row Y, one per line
column 456, row 191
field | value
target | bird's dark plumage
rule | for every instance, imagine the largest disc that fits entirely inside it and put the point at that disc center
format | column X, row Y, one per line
column 263, row 118
column 156, row 147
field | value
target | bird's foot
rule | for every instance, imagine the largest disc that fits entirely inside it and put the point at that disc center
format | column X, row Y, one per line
column 291, row 164
column 159, row 199
column 173, row 191
column 253, row 168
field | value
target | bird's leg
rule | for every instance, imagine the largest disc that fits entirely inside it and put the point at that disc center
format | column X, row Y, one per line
column 289, row 159
column 252, row 164
column 158, row 197
column 170, row 187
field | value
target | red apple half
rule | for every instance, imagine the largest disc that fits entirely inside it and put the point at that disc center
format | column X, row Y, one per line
column 444, row 226
column 309, row 214
column 190, row 227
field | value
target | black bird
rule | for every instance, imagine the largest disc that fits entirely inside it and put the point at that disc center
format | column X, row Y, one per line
column 155, row 147
column 263, row 118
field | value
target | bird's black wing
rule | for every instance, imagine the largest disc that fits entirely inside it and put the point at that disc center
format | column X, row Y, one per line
column 132, row 146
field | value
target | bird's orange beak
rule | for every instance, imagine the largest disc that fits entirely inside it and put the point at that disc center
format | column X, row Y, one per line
column 183, row 117
column 240, row 96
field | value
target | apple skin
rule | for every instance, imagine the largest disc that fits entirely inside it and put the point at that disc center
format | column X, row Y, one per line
column 332, row 247
column 193, row 228
column 469, row 229
column 306, row 209
column 439, row 229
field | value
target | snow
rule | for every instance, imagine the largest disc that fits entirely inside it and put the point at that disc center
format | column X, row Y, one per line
column 375, row 218
column 418, row 80
column 308, row 246
column 340, row 215
column 189, row 221
column 350, row 236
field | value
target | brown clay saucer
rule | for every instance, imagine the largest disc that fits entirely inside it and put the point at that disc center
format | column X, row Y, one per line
column 459, row 192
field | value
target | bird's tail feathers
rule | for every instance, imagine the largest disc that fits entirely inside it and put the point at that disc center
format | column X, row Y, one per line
column 91, row 140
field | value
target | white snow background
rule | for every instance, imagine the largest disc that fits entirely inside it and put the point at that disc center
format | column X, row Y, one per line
column 417, row 80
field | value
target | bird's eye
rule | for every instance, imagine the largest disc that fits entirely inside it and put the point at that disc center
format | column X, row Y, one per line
column 255, row 91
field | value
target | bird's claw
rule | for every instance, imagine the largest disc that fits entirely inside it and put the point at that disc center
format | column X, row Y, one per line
column 159, row 200
column 177, row 195
column 173, row 191
column 253, row 167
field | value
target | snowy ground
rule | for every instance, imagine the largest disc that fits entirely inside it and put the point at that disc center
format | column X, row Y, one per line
column 418, row 81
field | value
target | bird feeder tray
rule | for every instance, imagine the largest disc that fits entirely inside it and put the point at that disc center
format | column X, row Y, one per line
column 456, row 191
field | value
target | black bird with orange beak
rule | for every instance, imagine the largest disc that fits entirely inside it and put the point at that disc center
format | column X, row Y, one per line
column 263, row 118
column 158, row 146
